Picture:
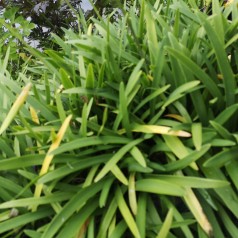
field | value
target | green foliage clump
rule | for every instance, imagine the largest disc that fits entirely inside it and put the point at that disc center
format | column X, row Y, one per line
column 128, row 130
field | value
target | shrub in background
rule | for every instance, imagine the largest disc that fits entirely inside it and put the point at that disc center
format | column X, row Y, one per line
column 128, row 130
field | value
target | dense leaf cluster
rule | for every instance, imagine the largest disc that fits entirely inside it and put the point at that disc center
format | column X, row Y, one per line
column 128, row 129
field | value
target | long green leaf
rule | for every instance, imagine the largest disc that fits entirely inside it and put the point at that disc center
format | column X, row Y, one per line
column 224, row 65
column 126, row 213
column 163, row 233
column 24, row 202
column 159, row 186
column 24, row 219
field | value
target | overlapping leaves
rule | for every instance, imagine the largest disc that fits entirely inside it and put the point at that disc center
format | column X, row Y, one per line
column 150, row 148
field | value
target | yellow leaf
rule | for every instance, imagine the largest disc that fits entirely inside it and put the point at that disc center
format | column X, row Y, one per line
column 49, row 156
column 15, row 107
column 196, row 208
column 34, row 115
column 177, row 117
column 165, row 130
column 229, row 2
